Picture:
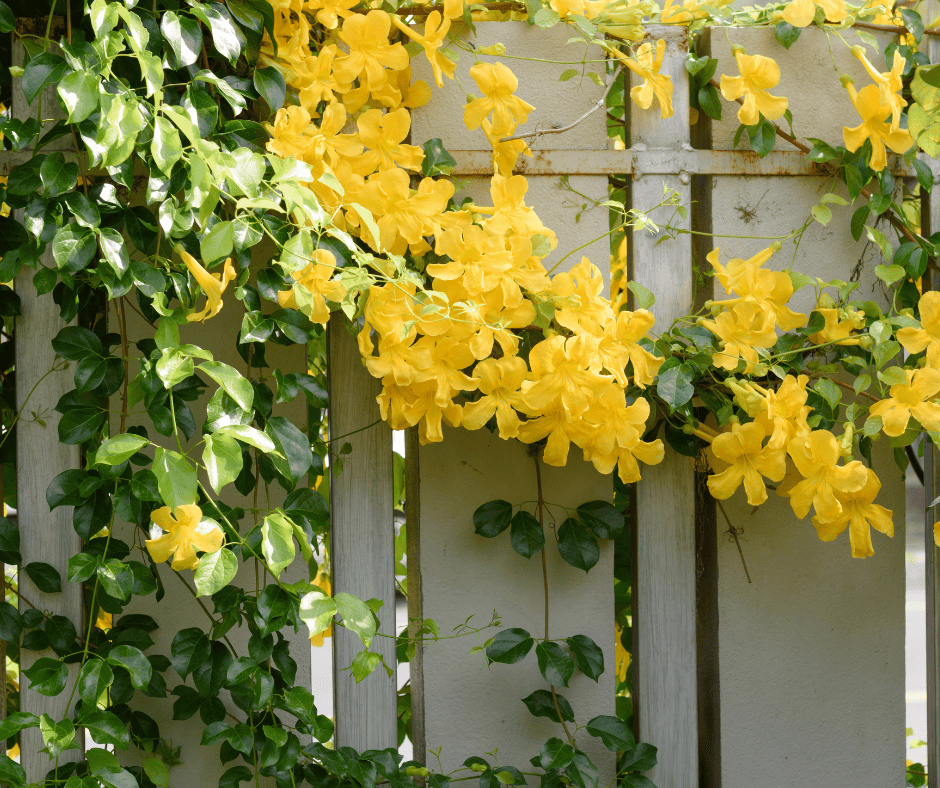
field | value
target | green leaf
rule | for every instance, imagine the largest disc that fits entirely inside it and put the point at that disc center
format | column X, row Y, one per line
column 47, row 676
column 222, row 457
column 762, row 137
column 644, row 298
column 613, row 732
column 709, row 101
column 317, row 610
column 215, row 571
column 858, row 221
column 57, row 175
column 106, row 728
column 45, row 577
column 437, row 161
column 95, row 677
column 269, row 82
column 74, row 343
column 577, row 545
column 157, row 772
column 218, row 243
column 134, row 662
column 581, row 772
column 42, row 70
column 184, row 35
column 822, row 214
column 17, row 721
column 541, row 704
column 786, row 34
column 526, row 535
column 602, row 518
column 555, row 754
column 357, row 616
column 889, row 274
column 674, row 384
column 116, row 450
column 492, row 518
column 226, row 37
column 231, row 381
column 11, row 623
column 9, row 542
column 555, row 664
column 7, row 19
column 293, row 445
column 166, row 146
column 277, row 542
column 73, row 248
column 114, row 248
column 11, row 773
column 641, row 758
column 235, row 776
column 588, row 655
column 924, row 176
column 364, row 663
column 117, row 578
column 57, row 736
column 190, row 648
column 176, row 478
column 250, row 435
column 510, row 646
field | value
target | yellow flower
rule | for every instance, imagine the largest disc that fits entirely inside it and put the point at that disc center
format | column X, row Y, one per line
column 621, row 655
column 399, row 359
column 499, row 381
column 889, row 84
column 758, row 75
column 435, row 29
column 911, row 399
column 742, row 329
column 800, row 13
column 329, row 10
column 816, row 457
column 382, row 133
column 860, row 514
column 586, row 8
column 185, row 533
column 510, row 214
column 657, row 85
column 786, row 411
column 873, row 127
column 838, row 329
column 315, row 279
column 615, row 439
column 747, row 461
column 370, row 53
column 322, row 581
column 448, row 357
column 583, row 309
column 927, row 337
column 213, row 285
column 621, row 344
column 561, row 375
column 505, row 154
column 479, row 260
column 497, row 84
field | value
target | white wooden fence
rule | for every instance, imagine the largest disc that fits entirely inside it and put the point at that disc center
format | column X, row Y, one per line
column 678, row 588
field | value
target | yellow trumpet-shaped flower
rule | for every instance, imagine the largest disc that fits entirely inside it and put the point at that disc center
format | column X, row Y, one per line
column 838, row 329
column 329, row 12
column 185, row 534
column 584, row 310
column 621, row 344
column 889, row 85
column 816, row 457
column 911, row 399
column 370, row 52
column 646, row 64
column 315, row 278
column 786, row 412
column 213, row 285
column 497, row 84
column 927, row 337
column 382, row 134
column 616, row 438
column 499, row 381
column 742, row 329
column 747, row 461
column 322, row 581
column 860, row 514
column 435, row 29
column 800, row 13
column 758, row 75
column 873, row 127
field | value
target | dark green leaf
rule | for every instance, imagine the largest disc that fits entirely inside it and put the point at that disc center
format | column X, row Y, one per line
column 582, row 772
column 74, row 343
column 786, row 34
column 541, row 704
column 526, row 535
column 555, row 664
column 134, row 662
column 57, row 175
column 293, row 445
column 189, row 650
column 47, row 676
column 235, row 776
column 42, row 70
column 96, row 676
column 269, row 82
column 11, row 624
column 184, row 35
column 46, row 578
column 9, row 542
column 602, row 518
column 642, row 758
column 106, row 728
column 674, row 385
column 492, row 518
column 116, row 578
column 709, row 101
column 613, row 731
column 858, row 221
column 577, row 545
column 7, row 19
column 924, row 176
column 73, row 248
column 510, row 646
column 588, row 655
column 437, row 161
column 61, row 633
column 555, row 754
column 762, row 137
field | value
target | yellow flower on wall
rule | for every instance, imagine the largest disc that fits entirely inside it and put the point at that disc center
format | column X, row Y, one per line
column 747, row 461
column 314, row 279
column 370, row 52
column 213, row 285
column 816, row 457
column 801, row 13
column 838, row 329
column 911, row 399
column 927, row 337
column 646, row 64
column 186, row 533
column 497, row 83
column 889, row 84
column 758, row 75
column 874, row 114
column 860, row 514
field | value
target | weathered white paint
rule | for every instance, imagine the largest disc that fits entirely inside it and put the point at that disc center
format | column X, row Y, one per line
column 45, row 536
column 362, row 538
column 811, row 652
column 469, row 709
column 664, row 597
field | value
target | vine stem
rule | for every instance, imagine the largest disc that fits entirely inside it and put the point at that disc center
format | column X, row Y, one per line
column 893, row 29
column 540, row 508
column 734, row 535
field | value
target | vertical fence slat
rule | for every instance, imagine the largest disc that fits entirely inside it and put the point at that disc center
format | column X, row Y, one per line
column 44, row 536
column 361, row 542
column 664, row 596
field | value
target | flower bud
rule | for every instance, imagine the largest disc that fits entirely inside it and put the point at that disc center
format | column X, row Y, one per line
column 846, row 80
column 866, row 342
column 776, row 246
column 825, row 301
column 478, row 767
